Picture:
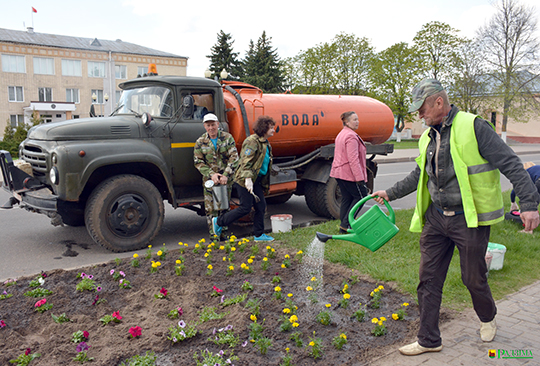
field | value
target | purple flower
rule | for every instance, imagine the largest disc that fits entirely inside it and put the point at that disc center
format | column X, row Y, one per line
column 220, row 353
column 98, row 289
column 214, row 331
column 228, row 361
column 244, row 344
column 4, row 293
column 228, row 327
column 222, row 298
column 122, row 274
column 90, row 276
column 174, row 340
column 83, row 275
column 111, row 272
column 82, row 347
column 182, row 324
column 122, row 280
column 182, row 334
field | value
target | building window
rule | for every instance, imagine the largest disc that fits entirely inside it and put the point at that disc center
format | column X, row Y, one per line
column 76, row 116
column 43, row 66
column 45, row 94
column 13, row 63
column 71, row 68
column 96, row 69
column 16, row 120
column 141, row 70
column 117, row 95
column 120, row 71
column 99, row 96
column 15, row 94
column 72, row 95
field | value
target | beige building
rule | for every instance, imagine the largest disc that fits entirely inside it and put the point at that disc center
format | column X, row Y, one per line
column 61, row 77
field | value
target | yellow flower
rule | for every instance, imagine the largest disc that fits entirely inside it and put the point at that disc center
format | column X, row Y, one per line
column 206, row 255
column 209, row 250
column 233, row 249
column 265, row 259
column 277, row 289
column 346, row 296
column 180, row 243
column 309, row 288
column 295, row 325
column 286, row 311
column 383, row 318
column 250, row 260
column 221, row 247
column 287, row 256
column 197, row 245
column 209, row 266
column 345, row 287
column 343, row 335
column 381, row 287
column 374, row 320
column 376, row 290
column 231, row 268
column 380, row 322
column 328, row 305
column 154, row 264
column 233, row 238
column 300, row 252
column 283, row 266
column 159, row 253
column 287, row 349
column 253, row 318
column 252, row 257
column 293, row 318
column 158, row 264
column 372, row 294
column 313, row 279
column 203, row 240
column 290, row 295
column 312, row 343
column 243, row 265
column 186, row 244
column 405, row 304
column 224, row 259
column 178, row 261
column 395, row 316
column 135, row 255
column 252, row 340
column 268, row 247
column 150, row 246
column 273, row 250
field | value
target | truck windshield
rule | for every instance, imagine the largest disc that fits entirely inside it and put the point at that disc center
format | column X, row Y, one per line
column 156, row 100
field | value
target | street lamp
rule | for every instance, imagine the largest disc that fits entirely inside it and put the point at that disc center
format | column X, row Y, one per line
column 106, row 97
column 207, row 73
column 224, row 74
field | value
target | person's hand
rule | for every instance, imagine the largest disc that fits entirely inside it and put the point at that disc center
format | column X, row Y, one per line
column 379, row 195
column 223, row 179
column 514, row 207
column 215, row 178
column 249, row 185
column 530, row 219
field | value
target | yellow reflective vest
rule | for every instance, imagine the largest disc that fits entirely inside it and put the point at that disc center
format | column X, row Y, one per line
column 479, row 182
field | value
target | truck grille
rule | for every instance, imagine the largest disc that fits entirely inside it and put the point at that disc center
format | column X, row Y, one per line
column 121, row 130
column 37, row 158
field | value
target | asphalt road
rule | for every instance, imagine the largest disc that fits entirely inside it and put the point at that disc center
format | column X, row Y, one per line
column 30, row 244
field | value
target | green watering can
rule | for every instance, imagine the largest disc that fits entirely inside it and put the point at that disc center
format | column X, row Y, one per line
column 371, row 230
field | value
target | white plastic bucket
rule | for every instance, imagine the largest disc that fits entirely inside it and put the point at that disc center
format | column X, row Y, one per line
column 497, row 251
column 281, row 223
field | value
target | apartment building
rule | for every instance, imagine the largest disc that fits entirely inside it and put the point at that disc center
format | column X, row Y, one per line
column 62, row 77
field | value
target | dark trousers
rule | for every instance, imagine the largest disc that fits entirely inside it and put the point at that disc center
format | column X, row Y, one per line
column 246, row 202
column 439, row 237
column 351, row 193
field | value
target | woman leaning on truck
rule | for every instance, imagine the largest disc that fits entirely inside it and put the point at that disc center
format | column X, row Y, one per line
column 349, row 167
column 252, row 179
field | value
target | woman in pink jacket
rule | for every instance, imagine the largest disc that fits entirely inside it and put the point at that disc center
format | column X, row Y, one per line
column 349, row 167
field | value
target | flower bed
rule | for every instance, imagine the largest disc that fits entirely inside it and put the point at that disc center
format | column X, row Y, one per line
column 238, row 301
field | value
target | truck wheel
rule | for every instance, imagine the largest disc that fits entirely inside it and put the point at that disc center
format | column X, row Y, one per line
column 124, row 213
column 323, row 199
column 278, row 200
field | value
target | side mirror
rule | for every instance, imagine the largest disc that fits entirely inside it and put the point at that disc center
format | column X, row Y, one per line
column 146, row 119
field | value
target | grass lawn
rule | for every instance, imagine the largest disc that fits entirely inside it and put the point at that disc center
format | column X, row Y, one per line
column 398, row 260
column 405, row 144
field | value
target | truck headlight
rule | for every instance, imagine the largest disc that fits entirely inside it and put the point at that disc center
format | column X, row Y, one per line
column 53, row 175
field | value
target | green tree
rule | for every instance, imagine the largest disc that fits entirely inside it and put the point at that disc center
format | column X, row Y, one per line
column 352, row 60
column 394, row 73
column 438, row 43
column 223, row 57
column 512, row 51
column 14, row 136
column 262, row 66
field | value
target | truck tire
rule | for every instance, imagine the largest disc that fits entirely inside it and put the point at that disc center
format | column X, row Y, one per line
column 323, row 199
column 124, row 213
column 278, row 200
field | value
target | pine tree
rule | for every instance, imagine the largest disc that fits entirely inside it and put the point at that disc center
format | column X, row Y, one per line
column 262, row 66
column 223, row 57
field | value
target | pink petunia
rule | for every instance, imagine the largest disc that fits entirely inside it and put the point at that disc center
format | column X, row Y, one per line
column 217, row 290
column 135, row 331
column 163, row 291
column 2, row 324
column 180, row 311
column 85, row 334
column 40, row 302
column 27, row 352
column 116, row 315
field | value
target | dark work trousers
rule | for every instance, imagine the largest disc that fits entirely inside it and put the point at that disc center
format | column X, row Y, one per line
column 439, row 237
column 246, row 202
column 351, row 193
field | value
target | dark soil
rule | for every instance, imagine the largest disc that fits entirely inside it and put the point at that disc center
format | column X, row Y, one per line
column 111, row 344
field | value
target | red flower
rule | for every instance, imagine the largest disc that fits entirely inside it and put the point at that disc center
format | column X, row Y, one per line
column 40, row 302
column 135, row 331
column 217, row 290
column 163, row 292
column 116, row 315
column 85, row 334
column 27, row 352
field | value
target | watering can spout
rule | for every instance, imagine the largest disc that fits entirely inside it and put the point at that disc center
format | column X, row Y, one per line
column 323, row 237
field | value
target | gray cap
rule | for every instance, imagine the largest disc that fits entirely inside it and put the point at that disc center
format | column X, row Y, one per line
column 422, row 90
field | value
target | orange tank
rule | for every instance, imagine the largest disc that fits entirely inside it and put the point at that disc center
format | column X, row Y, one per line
column 305, row 122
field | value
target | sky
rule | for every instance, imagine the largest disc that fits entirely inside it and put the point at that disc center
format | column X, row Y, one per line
column 190, row 29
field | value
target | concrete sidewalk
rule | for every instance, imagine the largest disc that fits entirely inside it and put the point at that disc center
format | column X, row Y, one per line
column 517, row 318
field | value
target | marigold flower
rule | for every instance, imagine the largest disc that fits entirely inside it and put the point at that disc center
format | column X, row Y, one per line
column 203, row 240
column 395, row 316
column 150, row 246
column 197, row 245
column 233, row 249
column 372, row 294
column 159, row 253
column 277, row 289
column 283, row 265
column 374, row 320
column 243, row 265
column 250, row 260
column 295, row 325
column 231, row 268
column 253, row 317
column 265, row 259
column 346, row 296
column 309, row 288
column 345, row 287
column 135, row 255
column 382, row 318
column 286, row 310
column 221, row 247
column 209, row 266
column 224, row 259
column 290, row 295
column 206, row 255
column 312, row 344
column 313, row 279
column 405, row 304
column 287, row 349
column 328, row 305
column 178, row 261
column 300, row 252
column 343, row 335
column 287, row 256
column 268, row 247
column 158, row 264
column 180, row 243
column 293, row 318
column 380, row 322
column 154, row 264
column 381, row 287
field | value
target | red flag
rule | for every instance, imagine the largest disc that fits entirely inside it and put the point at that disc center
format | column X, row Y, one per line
column 34, row 10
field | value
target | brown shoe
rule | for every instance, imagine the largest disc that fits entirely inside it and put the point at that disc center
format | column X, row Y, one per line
column 414, row 349
column 488, row 331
